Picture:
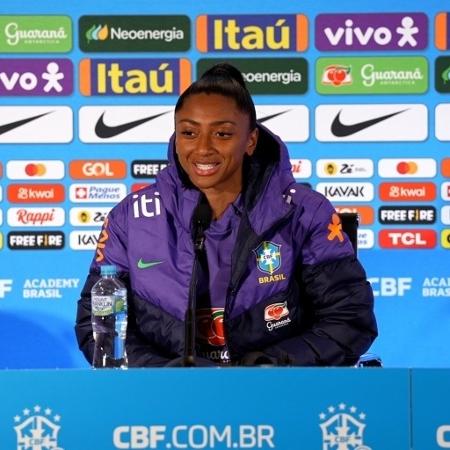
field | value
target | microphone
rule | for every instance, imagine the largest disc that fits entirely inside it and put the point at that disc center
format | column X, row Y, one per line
column 201, row 219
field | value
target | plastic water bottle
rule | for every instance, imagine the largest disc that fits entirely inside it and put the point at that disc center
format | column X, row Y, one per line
column 109, row 320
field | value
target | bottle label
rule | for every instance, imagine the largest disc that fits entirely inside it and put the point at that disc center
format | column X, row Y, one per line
column 102, row 305
column 121, row 304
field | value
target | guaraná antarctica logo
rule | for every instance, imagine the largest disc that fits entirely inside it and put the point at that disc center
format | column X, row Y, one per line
column 343, row 428
column 37, row 429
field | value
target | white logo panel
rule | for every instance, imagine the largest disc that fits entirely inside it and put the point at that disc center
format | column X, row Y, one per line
column 344, row 168
column 35, row 217
column 97, row 192
column 445, row 215
column 445, row 191
column 36, row 124
column 301, row 168
column 347, row 192
column 371, row 123
column 442, row 121
column 35, row 170
column 83, row 240
column 366, row 238
column 407, row 168
column 88, row 217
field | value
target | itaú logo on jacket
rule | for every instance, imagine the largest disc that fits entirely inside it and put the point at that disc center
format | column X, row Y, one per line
column 273, row 315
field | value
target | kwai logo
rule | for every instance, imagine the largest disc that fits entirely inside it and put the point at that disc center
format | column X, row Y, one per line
column 47, row 77
column 37, row 428
column 143, row 76
column 35, row 34
column 377, row 75
column 134, row 33
column 36, row 193
column 380, row 31
column 343, row 425
column 252, row 32
column 267, row 75
column 399, row 192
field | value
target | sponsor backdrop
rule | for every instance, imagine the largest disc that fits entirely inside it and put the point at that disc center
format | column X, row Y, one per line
column 87, row 94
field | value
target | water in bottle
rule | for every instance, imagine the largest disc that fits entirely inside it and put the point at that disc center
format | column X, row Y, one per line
column 109, row 319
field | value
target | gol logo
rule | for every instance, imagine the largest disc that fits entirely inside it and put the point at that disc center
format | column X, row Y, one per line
column 411, row 238
column 407, row 167
column 365, row 213
column 100, row 170
column 210, row 326
column 445, row 167
column 275, row 311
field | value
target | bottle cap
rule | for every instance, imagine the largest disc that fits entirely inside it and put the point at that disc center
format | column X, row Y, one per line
column 108, row 270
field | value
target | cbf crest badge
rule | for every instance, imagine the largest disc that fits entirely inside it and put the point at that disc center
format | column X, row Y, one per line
column 37, row 429
column 268, row 257
column 343, row 428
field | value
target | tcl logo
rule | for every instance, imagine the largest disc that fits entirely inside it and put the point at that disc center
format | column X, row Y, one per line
column 36, row 193
column 100, row 170
column 407, row 238
column 365, row 213
column 443, row 436
column 407, row 191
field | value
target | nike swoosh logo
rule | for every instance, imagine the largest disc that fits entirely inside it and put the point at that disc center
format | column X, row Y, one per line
column 105, row 131
column 18, row 123
column 342, row 130
column 266, row 118
column 145, row 265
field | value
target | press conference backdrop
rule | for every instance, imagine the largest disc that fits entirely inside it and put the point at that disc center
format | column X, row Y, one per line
column 359, row 91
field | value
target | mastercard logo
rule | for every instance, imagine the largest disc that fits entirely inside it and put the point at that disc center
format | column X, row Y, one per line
column 407, row 167
column 35, row 170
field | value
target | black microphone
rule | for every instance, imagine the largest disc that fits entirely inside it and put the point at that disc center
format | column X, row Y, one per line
column 201, row 219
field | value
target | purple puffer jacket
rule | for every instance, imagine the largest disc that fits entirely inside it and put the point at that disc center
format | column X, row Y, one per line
column 285, row 274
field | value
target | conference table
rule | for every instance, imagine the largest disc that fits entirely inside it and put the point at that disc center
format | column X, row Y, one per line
column 226, row 408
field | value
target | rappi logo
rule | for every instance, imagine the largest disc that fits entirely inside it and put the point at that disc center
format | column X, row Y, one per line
column 36, row 193
column 133, row 76
column 35, row 217
column 301, row 168
column 100, row 170
column 210, row 326
column 399, row 192
column 47, row 77
column 252, row 32
column 381, row 31
column 405, row 239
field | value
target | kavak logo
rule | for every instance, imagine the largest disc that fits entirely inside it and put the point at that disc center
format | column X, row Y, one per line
column 365, row 213
column 35, row 124
column 46, row 77
column 377, row 32
column 36, row 193
column 376, row 75
column 405, row 239
column 276, row 76
column 371, row 122
column 143, row 76
column 345, row 192
column 83, row 240
column 98, row 169
column 442, row 119
column 442, row 74
column 35, row 34
column 407, row 168
column 343, row 426
column 35, row 170
column 147, row 168
column 252, row 32
column 279, row 119
column 35, row 217
column 400, row 192
column 97, row 192
column 105, row 124
column 36, row 240
column 442, row 37
column 88, row 216
column 301, row 168
column 344, row 168
column 420, row 215
column 134, row 33
column 37, row 428
column 273, row 315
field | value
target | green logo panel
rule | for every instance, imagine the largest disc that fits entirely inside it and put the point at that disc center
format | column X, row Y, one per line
column 134, row 33
column 35, row 34
column 374, row 75
column 442, row 74
column 285, row 76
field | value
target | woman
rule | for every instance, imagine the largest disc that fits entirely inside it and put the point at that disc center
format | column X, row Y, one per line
column 226, row 228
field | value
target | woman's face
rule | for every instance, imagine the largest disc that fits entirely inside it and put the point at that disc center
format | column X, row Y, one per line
column 212, row 136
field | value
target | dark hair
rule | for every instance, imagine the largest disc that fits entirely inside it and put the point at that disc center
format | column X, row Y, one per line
column 223, row 79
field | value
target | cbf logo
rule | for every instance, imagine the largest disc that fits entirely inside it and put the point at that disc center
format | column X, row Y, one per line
column 38, row 429
column 268, row 257
column 343, row 428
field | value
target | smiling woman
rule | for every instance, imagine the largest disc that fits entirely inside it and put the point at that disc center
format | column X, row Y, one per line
column 226, row 259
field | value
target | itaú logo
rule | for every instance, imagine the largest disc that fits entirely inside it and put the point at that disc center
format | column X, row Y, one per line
column 443, row 436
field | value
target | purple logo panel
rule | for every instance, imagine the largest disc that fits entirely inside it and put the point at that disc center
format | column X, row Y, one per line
column 388, row 31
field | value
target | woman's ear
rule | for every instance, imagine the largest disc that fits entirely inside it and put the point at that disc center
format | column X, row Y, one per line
column 252, row 141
